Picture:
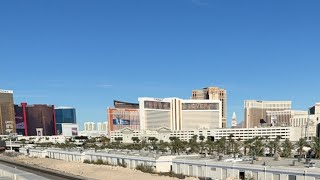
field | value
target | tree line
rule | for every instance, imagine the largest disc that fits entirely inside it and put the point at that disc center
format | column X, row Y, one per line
column 257, row 146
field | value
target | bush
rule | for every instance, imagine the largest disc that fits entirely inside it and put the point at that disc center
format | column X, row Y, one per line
column 172, row 174
column 11, row 154
column 145, row 169
column 86, row 161
column 122, row 165
column 46, row 156
column 99, row 162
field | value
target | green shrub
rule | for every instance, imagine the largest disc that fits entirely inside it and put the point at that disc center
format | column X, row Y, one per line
column 172, row 174
column 122, row 165
column 145, row 169
column 99, row 162
column 86, row 161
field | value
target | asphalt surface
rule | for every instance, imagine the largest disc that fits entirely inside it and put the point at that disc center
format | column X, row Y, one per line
column 46, row 173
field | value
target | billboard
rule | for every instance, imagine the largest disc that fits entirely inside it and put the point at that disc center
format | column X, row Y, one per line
column 19, row 117
column 157, row 105
column 69, row 129
column 121, row 122
column 122, row 118
column 125, row 105
column 74, row 131
column 200, row 106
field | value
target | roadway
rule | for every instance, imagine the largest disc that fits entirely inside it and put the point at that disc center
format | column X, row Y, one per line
column 45, row 173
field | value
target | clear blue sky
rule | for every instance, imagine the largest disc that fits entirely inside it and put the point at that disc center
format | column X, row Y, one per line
column 87, row 53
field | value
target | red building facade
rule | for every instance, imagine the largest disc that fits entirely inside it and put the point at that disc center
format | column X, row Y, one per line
column 29, row 118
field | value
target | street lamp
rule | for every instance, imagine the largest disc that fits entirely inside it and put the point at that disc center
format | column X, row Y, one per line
column 307, row 125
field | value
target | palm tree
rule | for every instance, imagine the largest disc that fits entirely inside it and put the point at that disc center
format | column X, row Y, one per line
column 230, row 149
column 193, row 145
column 256, row 148
column 316, row 146
column 221, row 145
column 211, row 146
column 202, row 144
column 274, row 146
column 163, row 146
column 176, row 145
column 287, row 148
column 246, row 145
column 300, row 144
column 237, row 146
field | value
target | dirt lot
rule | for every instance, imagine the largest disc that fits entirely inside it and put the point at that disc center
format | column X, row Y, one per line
column 91, row 171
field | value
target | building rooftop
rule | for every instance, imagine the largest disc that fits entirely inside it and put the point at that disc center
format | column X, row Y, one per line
column 64, row 107
column 268, row 162
column 6, row 91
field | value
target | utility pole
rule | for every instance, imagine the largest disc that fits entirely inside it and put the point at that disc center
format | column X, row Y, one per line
column 307, row 125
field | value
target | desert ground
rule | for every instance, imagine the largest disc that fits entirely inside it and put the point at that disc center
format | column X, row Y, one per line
column 91, row 171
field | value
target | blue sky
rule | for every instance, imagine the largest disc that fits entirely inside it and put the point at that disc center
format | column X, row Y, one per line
column 86, row 53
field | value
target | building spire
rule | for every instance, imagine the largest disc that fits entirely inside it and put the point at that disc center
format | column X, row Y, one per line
column 234, row 120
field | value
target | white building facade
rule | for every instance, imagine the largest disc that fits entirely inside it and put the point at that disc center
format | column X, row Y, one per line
column 102, row 126
column 69, row 129
column 164, row 134
column 89, row 126
column 179, row 114
column 256, row 111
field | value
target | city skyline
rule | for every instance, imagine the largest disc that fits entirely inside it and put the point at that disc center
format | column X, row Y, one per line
column 53, row 53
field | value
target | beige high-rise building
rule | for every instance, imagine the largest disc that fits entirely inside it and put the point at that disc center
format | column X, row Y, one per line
column 7, row 117
column 213, row 93
column 179, row 114
column 256, row 111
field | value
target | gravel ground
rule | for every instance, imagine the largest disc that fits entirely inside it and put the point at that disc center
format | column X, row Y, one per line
column 91, row 171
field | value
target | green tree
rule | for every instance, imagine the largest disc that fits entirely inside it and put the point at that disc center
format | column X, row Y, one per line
column 193, row 144
column 202, row 144
column 237, row 145
column 135, row 139
column 163, row 146
column 274, row 146
column 247, row 145
column 231, row 142
column 316, row 146
column 104, row 140
column 211, row 146
column 287, row 147
column 153, row 142
column 177, row 146
column 300, row 144
column 118, row 139
column 257, row 147
column 221, row 145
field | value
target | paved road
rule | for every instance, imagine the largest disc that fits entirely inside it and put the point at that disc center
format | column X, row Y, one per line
column 45, row 173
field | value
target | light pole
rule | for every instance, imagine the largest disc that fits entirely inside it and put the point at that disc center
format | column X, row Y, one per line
column 307, row 125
